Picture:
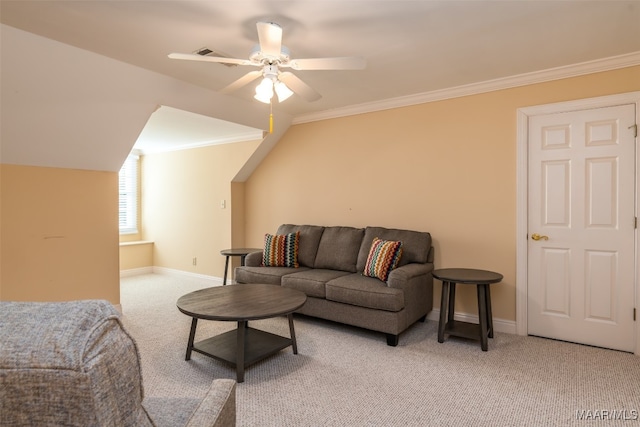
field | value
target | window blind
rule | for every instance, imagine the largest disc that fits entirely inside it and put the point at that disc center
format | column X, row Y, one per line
column 128, row 187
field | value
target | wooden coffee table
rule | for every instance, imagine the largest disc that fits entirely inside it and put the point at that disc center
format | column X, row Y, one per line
column 241, row 303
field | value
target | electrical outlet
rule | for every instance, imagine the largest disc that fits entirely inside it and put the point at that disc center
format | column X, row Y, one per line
column 195, row 261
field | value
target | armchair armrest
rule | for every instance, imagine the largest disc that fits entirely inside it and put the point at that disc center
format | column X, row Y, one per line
column 218, row 408
column 254, row 259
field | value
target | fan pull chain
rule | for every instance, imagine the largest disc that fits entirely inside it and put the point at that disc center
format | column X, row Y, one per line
column 271, row 117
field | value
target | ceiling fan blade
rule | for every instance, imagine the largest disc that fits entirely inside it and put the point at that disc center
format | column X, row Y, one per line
column 218, row 59
column 270, row 36
column 299, row 87
column 341, row 63
column 246, row 79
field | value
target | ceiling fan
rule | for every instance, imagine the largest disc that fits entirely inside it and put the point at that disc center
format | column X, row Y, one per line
column 271, row 56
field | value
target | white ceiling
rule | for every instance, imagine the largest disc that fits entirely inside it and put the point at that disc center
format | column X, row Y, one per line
column 411, row 46
column 171, row 129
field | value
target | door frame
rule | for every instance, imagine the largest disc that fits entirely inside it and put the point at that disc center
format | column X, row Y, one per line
column 522, row 186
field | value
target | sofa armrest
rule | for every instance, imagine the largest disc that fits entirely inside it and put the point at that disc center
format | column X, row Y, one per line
column 254, row 259
column 402, row 275
column 218, row 408
column 416, row 282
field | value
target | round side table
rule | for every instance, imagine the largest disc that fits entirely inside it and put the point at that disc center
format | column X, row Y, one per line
column 482, row 279
column 241, row 252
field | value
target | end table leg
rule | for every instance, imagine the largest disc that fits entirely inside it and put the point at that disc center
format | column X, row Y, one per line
column 489, row 314
column 226, row 267
column 482, row 314
column 452, row 301
column 192, row 334
column 294, row 345
column 443, row 310
column 242, row 326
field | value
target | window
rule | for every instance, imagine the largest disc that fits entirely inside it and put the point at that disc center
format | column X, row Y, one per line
column 128, row 187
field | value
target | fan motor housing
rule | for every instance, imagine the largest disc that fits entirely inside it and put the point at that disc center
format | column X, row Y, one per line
column 256, row 55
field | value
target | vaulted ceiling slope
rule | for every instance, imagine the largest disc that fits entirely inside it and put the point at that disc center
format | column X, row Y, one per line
column 81, row 78
column 411, row 46
column 67, row 107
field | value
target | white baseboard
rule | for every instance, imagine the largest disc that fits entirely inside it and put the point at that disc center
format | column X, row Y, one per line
column 173, row 272
column 500, row 325
column 187, row 274
column 136, row 271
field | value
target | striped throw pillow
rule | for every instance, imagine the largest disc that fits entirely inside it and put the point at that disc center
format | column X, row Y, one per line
column 383, row 257
column 281, row 250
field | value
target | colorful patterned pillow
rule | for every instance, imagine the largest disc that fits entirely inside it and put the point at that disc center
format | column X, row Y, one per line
column 281, row 250
column 383, row 257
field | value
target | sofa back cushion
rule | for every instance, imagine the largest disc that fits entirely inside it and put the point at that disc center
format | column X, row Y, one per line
column 415, row 244
column 338, row 248
column 68, row 363
column 307, row 243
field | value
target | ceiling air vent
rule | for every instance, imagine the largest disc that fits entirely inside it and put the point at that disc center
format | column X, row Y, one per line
column 205, row 51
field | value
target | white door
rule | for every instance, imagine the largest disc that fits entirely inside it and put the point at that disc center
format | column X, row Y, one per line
column 581, row 210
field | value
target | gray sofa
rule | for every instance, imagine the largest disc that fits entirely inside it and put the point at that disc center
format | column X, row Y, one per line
column 73, row 364
column 331, row 262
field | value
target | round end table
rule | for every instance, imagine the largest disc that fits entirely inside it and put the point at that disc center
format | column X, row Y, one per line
column 467, row 276
column 241, row 252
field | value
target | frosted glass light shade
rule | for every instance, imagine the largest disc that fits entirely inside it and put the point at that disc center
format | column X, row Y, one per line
column 264, row 91
column 282, row 91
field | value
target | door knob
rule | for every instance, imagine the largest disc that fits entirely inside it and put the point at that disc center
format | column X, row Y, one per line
column 536, row 236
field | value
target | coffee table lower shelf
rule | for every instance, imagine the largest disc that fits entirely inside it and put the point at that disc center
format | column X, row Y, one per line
column 258, row 345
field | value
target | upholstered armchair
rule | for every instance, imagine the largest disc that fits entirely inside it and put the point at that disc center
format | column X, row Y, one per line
column 73, row 364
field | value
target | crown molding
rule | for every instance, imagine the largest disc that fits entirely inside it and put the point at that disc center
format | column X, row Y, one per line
column 249, row 136
column 574, row 70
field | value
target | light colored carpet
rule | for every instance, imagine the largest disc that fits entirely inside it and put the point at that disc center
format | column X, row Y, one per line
column 346, row 376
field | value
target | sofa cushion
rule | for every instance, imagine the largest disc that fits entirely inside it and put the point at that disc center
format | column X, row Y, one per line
column 356, row 289
column 308, row 242
column 311, row 282
column 415, row 244
column 267, row 275
column 68, row 363
column 281, row 250
column 383, row 257
column 338, row 248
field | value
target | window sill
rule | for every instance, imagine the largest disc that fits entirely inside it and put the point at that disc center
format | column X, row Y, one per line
column 137, row 242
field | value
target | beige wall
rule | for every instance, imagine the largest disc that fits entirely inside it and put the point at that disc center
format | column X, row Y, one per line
column 59, row 234
column 446, row 167
column 182, row 192
column 237, row 215
column 136, row 255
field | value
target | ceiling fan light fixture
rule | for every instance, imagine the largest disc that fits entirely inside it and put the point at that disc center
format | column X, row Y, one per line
column 263, row 98
column 282, row 91
column 264, row 91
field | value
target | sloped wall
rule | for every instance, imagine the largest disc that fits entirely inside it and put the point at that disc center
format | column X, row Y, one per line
column 69, row 108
